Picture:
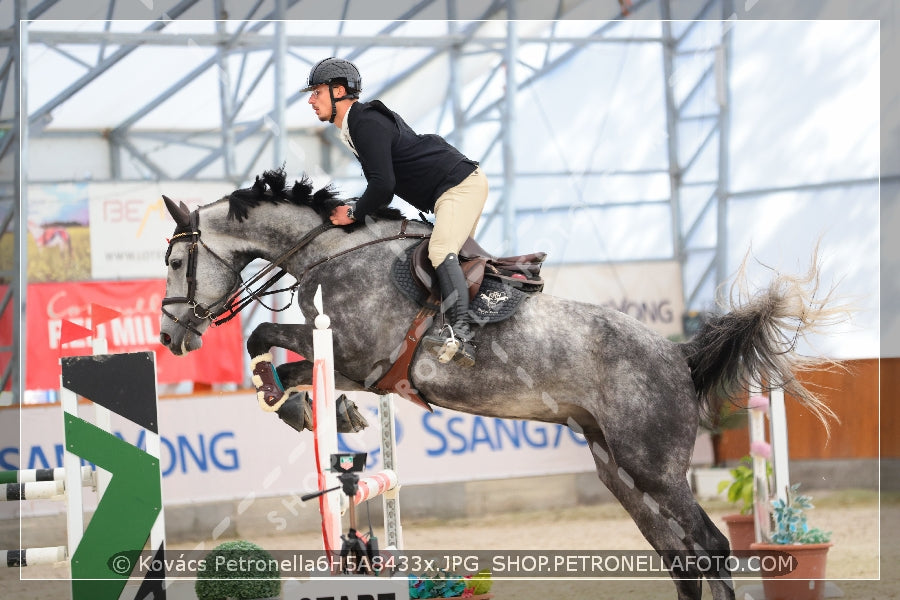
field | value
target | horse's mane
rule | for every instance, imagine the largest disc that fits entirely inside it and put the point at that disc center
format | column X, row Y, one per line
column 270, row 187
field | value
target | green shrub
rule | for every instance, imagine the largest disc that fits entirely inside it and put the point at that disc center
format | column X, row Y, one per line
column 240, row 570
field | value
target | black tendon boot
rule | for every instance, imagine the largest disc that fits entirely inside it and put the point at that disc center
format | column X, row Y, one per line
column 454, row 342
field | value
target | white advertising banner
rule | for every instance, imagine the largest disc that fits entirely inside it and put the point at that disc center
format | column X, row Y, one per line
column 129, row 224
column 223, row 447
column 651, row 292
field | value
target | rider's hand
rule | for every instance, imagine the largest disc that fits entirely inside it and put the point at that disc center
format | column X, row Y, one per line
column 339, row 216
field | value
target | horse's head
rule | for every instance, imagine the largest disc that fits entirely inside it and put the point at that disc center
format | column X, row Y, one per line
column 204, row 273
column 201, row 279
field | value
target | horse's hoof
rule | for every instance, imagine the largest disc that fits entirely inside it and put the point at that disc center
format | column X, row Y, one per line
column 349, row 419
column 296, row 412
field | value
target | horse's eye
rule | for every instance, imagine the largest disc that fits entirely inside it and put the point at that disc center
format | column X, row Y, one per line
column 175, row 264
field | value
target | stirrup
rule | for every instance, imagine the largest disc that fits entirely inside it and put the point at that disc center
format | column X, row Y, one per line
column 446, row 352
column 441, row 347
column 450, row 348
column 465, row 356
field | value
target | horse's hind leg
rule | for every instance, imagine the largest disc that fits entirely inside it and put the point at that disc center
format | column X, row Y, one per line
column 665, row 511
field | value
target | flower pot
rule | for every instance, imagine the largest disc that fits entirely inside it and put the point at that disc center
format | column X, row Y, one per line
column 741, row 531
column 705, row 482
column 805, row 582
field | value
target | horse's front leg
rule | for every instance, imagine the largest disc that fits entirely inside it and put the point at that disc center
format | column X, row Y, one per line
column 282, row 389
column 270, row 391
column 279, row 335
column 288, row 336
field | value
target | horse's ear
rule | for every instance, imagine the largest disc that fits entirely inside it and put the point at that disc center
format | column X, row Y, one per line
column 179, row 212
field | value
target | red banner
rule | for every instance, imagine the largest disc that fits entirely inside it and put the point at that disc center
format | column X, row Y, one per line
column 6, row 335
column 135, row 329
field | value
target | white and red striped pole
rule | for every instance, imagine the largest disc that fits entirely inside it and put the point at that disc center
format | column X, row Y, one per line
column 325, row 428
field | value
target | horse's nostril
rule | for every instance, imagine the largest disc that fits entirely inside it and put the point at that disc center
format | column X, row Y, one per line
column 165, row 339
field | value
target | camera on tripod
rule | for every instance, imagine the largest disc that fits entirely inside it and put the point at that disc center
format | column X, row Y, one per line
column 358, row 551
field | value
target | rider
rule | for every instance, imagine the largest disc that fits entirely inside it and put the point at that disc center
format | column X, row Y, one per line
column 423, row 170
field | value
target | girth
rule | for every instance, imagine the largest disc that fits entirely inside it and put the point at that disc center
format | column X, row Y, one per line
column 397, row 380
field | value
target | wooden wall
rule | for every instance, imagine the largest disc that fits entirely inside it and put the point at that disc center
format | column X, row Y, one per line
column 854, row 396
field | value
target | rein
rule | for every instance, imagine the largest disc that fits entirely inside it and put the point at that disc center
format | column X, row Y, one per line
column 231, row 302
column 234, row 306
column 399, row 236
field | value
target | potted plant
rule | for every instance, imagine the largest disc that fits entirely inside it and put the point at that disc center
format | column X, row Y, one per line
column 739, row 491
column 442, row 584
column 801, row 552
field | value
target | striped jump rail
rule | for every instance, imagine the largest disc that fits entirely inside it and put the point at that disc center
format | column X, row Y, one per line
column 30, row 557
column 375, row 485
column 39, row 484
column 33, row 475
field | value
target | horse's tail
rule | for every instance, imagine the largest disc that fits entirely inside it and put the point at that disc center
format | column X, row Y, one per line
column 757, row 340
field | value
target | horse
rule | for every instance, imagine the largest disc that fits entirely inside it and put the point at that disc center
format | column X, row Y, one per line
column 51, row 236
column 636, row 396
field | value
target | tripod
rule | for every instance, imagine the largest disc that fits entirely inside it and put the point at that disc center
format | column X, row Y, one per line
column 358, row 551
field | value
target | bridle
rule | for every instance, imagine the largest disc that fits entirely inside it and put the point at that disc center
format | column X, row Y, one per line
column 199, row 313
column 231, row 302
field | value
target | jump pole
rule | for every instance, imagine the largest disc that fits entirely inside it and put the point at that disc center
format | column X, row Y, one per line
column 758, row 406
column 384, row 483
column 39, row 484
column 325, row 427
column 779, row 436
column 772, row 407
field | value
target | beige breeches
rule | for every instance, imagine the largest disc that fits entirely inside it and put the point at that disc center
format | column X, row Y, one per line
column 456, row 216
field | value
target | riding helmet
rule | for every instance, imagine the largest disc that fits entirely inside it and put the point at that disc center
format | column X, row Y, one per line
column 335, row 70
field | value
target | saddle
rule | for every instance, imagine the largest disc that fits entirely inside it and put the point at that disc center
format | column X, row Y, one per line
column 497, row 286
column 520, row 272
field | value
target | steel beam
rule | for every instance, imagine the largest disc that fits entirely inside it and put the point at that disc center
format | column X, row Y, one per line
column 507, row 128
column 19, row 284
column 264, row 41
column 107, row 63
column 723, row 193
column 675, row 170
column 224, row 82
column 279, row 49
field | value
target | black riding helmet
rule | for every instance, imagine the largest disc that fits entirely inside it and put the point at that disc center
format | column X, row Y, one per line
column 335, row 71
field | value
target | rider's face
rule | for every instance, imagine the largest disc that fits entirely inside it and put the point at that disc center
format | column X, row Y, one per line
column 321, row 102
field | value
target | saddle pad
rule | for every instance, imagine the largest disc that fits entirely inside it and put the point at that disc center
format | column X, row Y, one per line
column 494, row 302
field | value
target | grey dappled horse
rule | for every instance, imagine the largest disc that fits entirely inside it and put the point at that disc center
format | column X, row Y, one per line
column 636, row 396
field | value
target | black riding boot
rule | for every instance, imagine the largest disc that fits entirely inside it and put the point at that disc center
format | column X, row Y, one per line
column 454, row 342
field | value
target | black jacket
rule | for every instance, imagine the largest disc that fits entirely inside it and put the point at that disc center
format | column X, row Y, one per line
column 397, row 160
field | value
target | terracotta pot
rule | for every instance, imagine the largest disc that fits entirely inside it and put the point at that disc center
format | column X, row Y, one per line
column 741, row 531
column 806, row 581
